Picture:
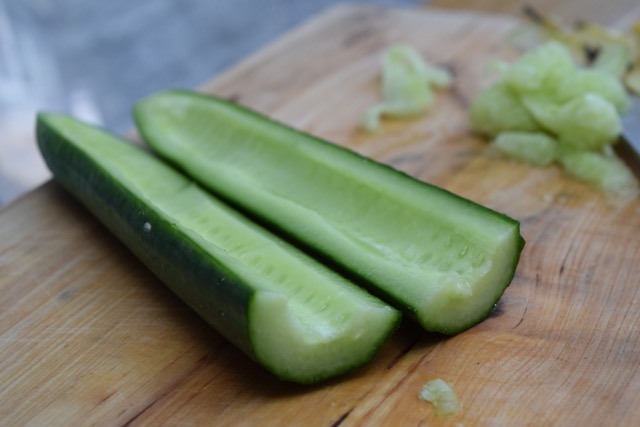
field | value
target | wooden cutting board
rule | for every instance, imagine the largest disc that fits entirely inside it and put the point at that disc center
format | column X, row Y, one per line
column 90, row 337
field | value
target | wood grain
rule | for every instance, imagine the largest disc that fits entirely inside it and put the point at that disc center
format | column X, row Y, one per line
column 89, row 337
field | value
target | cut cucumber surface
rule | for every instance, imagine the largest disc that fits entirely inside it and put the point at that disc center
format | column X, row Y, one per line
column 442, row 259
column 299, row 319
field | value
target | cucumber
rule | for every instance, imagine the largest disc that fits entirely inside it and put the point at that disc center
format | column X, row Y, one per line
column 442, row 259
column 299, row 319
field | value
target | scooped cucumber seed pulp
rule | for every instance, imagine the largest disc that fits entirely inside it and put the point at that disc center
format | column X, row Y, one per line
column 545, row 109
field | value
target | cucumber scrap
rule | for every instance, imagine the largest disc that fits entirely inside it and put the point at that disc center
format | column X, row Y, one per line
column 546, row 109
column 442, row 396
column 535, row 148
column 406, row 86
column 590, row 44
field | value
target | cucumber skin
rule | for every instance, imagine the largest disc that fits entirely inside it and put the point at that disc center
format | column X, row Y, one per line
column 321, row 254
column 193, row 275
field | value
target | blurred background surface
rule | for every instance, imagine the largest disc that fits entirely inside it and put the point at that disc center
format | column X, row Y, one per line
column 94, row 59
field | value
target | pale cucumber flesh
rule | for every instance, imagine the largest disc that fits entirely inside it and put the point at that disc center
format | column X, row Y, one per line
column 304, row 322
column 443, row 259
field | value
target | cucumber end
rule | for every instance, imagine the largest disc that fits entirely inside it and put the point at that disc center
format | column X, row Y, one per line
column 460, row 302
column 310, row 352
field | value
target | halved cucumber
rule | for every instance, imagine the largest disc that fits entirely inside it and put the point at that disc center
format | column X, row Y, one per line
column 441, row 258
column 299, row 319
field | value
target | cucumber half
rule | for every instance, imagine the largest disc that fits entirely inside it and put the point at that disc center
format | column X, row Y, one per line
column 442, row 259
column 293, row 315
